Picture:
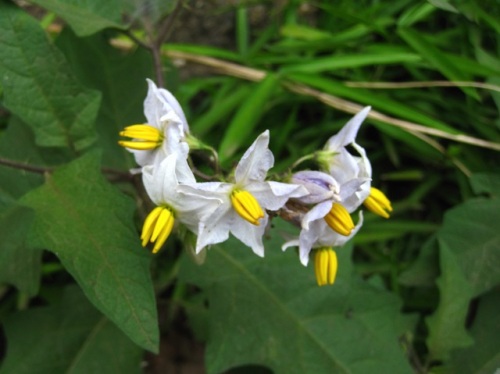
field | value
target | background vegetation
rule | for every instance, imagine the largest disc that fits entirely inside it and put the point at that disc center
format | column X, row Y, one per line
column 415, row 293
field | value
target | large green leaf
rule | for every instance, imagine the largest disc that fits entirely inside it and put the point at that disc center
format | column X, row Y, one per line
column 484, row 356
column 39, row 87
column 19, row 264
column 69, row 337
column 270, row 312
column 18, row 145
column 120, row 77
column 88, row 16
column 469, row 244
column 87, row 223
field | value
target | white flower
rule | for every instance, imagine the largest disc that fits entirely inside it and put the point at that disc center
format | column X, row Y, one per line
column 320, row 235
column 244, row 202
column 165, row 130
column 162, row 183
column 342, row 165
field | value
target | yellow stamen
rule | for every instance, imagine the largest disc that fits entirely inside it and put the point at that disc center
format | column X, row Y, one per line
column 144, row 137
column 339, row 219
column 157, row 227
column 378, row 203
column 325, row 266
column 247, row 206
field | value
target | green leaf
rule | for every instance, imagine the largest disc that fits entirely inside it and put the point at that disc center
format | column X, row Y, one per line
column 87, row 223
column 484, row 356
column 469, row 243
column 270, row 312
column 70, row 336
column 247, row 117
column 379, row 102
column 17, row 144
column 331, row 63
column 437, row 59
column 486, row 183
column 19, row 264
column 40, row 88
column 447, row 325
column 471, row 232
column 86, row 17
column 425, row 269
column 120, row 77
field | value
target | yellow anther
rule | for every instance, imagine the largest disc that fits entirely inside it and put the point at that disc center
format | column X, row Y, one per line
column 247, row 206
column 325, row 266
column 378, row 203
column 144, row 137
column 157, row 227
column 339, row 219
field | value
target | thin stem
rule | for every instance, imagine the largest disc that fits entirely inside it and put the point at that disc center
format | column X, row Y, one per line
column 113, row 174
column 155, row 49
column 138, row 41
column 167, row 25
column 26, row 167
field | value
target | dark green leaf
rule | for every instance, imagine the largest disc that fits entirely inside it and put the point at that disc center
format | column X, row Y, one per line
column 40, row 88
column 486, row 183
column 87, row 223
column 86, row 17
column 70, row 336
column 484, row 356
column 270, row 312
column 437, row 59
column 120, row 77
column 19, row 264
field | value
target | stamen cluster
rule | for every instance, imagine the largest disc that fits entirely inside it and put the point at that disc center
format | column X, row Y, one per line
column 319, row 201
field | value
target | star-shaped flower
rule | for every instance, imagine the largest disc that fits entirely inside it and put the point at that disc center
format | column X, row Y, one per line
column 165, row 130
column 244, row 202
column 162, row 183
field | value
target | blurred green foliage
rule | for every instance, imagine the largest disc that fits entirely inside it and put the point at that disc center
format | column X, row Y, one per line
column 418, row 292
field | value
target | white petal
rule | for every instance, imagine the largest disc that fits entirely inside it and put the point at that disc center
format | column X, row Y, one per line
column 174, row 104
column 343, row 166
column 348, row 133
column 193, row 209
column 250, row 235
column 273, row 195
column 307, row 239
column 364, row 163
column 154, row 105
column 318, row 212
column 160, row 181
column 318, row 184
column 330, row 238
column 174, row 141
column 290, row 243
column 256, row 161
column 216, row 228
column 145, row 157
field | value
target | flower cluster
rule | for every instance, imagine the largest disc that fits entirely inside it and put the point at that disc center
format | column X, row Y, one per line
column 320, row 201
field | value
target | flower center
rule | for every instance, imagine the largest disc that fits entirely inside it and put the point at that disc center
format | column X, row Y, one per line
column 325, row 266
column 246, row 206
column 157, row 227
column 339, row 219
column 378, row 203
column 144, row 137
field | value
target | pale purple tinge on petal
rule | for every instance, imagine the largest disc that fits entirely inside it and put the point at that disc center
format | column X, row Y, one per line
column 343, row 166
column 320, row 186
column 273, row 195
column 348, row 133
column 256, row 161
